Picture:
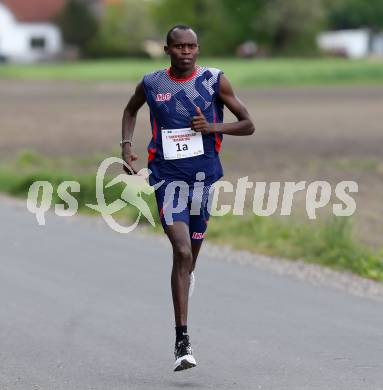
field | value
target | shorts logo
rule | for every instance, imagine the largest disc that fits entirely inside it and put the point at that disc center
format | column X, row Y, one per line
column 163, row 97
column 198, row 236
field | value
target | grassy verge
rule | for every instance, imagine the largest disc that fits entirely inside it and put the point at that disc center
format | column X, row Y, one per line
column 17, row 176
column 328, row 243
column 246, row 73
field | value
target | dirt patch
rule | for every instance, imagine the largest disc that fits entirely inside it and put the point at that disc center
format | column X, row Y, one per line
column 304, row 133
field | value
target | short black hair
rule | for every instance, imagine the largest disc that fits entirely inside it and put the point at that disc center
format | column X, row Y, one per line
column 176, row 27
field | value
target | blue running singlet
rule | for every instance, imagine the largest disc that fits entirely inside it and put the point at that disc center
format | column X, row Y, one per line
column 172, row 103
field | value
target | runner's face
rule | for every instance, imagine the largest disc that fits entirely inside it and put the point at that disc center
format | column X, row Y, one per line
column 183, row 50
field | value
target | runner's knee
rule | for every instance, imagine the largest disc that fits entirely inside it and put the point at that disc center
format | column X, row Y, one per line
column 183, row 255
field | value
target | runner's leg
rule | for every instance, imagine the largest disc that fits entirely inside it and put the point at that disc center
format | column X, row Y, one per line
column 179, row 237
column 198, row 226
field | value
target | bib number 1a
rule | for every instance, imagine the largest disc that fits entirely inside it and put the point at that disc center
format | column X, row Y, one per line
column 181, row 143
column 182, row 147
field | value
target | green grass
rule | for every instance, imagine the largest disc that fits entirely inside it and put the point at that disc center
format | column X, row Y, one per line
column 17, row 176
column 245, row 73
column 329, row 243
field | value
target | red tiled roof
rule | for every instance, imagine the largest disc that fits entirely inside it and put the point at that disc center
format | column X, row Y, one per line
column 34, row 10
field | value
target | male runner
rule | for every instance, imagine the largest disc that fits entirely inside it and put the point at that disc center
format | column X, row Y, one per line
column 186, row 104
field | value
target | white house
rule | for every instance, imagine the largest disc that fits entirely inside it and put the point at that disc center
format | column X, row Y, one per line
column 358, row 43
column 351, row 43
column 27, row 42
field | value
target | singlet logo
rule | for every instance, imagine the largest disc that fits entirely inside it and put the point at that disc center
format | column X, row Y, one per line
column 163, row 97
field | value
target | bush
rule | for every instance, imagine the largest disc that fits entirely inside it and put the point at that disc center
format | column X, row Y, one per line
column 123, row 29
column 78, row 25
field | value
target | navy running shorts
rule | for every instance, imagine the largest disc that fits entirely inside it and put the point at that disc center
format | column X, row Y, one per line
column 177, row 201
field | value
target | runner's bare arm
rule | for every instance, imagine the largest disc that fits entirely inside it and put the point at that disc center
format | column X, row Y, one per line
column 244, row 125
column 128, row 124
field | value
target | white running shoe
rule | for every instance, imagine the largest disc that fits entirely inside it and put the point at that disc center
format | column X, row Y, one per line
column 192, row 284
column 183, row 354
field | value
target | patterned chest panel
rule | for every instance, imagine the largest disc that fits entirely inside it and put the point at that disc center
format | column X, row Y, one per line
column 173, row 103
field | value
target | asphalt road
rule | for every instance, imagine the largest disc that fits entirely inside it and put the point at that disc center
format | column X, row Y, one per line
column 82, row 307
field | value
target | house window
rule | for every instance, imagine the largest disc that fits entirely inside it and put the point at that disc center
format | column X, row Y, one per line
column 37, row 43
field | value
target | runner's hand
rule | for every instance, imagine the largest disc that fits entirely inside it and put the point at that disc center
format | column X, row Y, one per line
column 200, row 124
column 128, row 156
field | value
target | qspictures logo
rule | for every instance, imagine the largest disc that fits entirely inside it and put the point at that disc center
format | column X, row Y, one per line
column 135, row 186
column 265, row 197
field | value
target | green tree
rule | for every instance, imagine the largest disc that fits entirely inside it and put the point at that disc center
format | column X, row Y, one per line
column 290, row 27
column 345, row 14
column 232, row 25
column 78, row 25
column 123, row 28
column 282, row 26
column 208, row 18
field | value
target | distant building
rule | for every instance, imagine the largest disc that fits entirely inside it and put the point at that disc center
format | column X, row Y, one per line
column 377, row 44
column 26, row 31
column 358, row 43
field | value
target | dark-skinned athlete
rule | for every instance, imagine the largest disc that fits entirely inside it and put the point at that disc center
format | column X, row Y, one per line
column 186, row 104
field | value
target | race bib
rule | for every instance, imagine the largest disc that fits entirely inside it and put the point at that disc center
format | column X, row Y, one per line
column 181, row 143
